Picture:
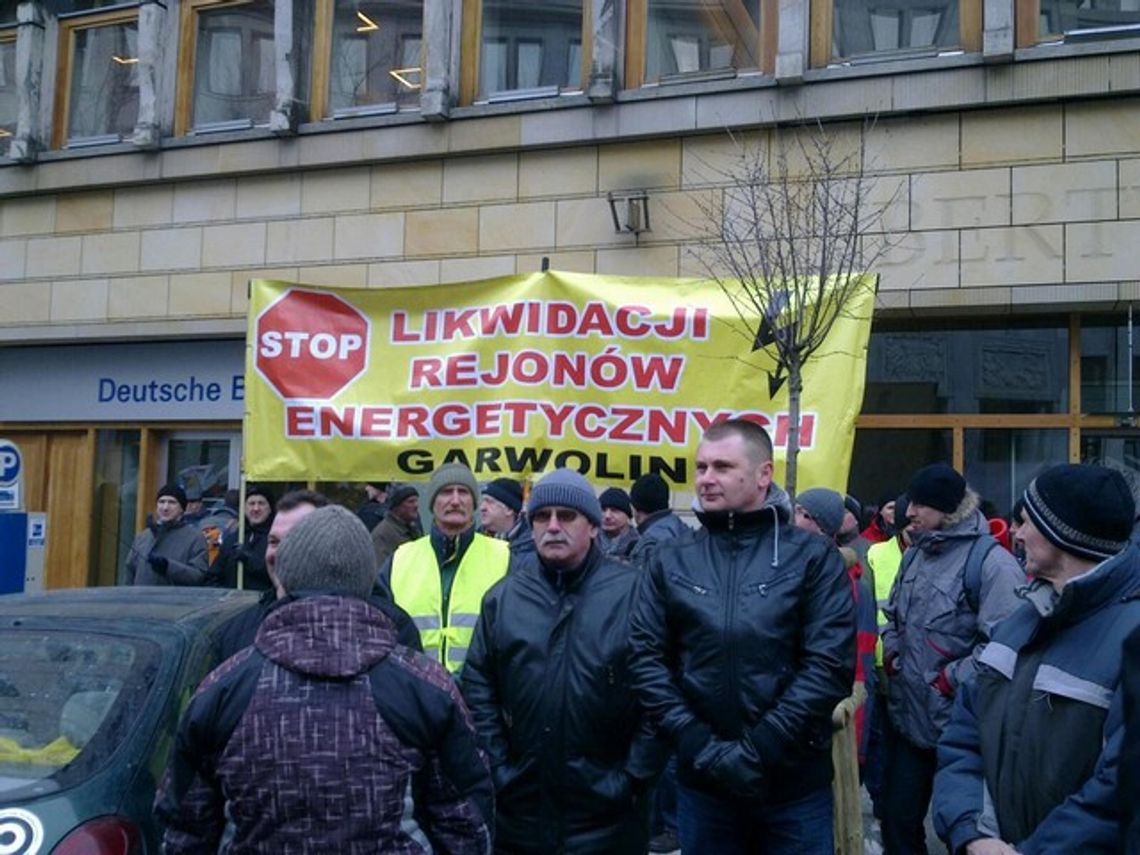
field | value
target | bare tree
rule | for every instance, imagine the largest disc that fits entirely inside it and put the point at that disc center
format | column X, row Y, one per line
column 799, row 226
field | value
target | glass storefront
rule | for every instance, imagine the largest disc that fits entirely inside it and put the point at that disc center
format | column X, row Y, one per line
column 884, row 460
column 1001, row 463
column 116, row 501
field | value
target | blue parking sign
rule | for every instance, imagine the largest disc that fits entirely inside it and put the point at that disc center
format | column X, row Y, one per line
column 10, row 463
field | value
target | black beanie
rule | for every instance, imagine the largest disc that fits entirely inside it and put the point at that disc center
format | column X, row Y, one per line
column 175, row 492
column 650, row 494
column 507, row 491
column 902, row 504
column 616, row 498
column 1081, row 509
column 264, row 492
column 937, row 486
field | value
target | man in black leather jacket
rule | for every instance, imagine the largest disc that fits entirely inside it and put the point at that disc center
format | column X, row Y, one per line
column 547, row 681
column 744, row 641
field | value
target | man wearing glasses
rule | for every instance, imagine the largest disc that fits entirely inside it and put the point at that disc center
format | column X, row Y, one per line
column 548, row 685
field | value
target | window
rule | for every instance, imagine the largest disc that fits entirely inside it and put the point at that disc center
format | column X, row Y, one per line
column 852, row 30
column 1107, row 384
column 227, row 73
column 375, row 57
column 97, row 92
column 1001, row 463
column 882, row 461
column 515, row 48
column 9, row 95
column 1076, row 20
column 683, row 39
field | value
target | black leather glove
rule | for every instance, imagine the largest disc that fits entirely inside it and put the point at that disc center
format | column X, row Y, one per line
column 157, row 563
column 734, row 767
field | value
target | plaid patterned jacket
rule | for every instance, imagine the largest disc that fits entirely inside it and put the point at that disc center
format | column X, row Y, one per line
column 327, row 736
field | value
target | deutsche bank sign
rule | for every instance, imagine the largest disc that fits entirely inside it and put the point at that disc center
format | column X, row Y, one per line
column 159, row 381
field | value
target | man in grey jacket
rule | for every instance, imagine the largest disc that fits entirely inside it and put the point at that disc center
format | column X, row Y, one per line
column 954, row 585
column 169, row 551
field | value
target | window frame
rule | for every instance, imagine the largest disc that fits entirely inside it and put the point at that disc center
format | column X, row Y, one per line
column 68, row 27
column 1027, row 28
column 637, row 28
column 320, row 71
column 822, row 23
column 471, row 41
column 188, row 57
column 8, row 35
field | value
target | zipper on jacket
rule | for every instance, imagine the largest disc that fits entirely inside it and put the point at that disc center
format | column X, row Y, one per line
column 729, row 619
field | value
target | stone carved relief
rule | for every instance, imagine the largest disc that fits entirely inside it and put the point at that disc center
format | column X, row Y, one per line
column 910, row 359
column 1024, row 372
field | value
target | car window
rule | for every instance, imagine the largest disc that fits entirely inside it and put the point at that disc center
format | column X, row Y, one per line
column 67, row 700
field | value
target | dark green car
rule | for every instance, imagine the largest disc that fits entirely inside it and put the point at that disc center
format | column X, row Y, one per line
column 92, row 683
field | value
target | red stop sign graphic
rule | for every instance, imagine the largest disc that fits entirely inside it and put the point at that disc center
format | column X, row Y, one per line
column 310, row 345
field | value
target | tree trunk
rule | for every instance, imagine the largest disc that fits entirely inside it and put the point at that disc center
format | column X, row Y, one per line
column 795, row 390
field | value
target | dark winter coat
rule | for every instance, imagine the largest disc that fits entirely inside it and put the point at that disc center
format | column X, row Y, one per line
column 656, row 529
column 371, row 513
column 390, row 534
column 327, row 736
column 1129, row 791
column 250, row 553
column 180, row 543
column 744, row 642
column 240, row 631
column 547, row 679
column 1032, row 752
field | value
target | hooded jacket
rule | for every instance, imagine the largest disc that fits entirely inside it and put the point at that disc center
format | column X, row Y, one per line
column 327, row 736
column 1032, row 752
column 744, row 642
column 932, row 629
column 547, row 680
column 180, row 543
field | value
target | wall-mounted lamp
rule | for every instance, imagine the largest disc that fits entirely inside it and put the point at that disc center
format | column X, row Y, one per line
column 630, row 211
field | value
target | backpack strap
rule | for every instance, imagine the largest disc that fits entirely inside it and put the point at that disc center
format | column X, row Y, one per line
column 975, row 561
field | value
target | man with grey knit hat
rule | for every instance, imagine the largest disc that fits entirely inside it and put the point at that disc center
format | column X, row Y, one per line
column 548, row 685
column 327, row 699
column 440, row 578
column 955, row 584
column 1030, row 759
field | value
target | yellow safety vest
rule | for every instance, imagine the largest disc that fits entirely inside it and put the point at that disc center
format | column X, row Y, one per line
column 884, row 559
column 418, row 590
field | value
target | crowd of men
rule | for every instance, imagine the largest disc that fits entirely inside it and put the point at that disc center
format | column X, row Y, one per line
column 568, row 672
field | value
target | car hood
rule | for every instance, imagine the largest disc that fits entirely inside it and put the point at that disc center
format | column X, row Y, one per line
column 326, row 636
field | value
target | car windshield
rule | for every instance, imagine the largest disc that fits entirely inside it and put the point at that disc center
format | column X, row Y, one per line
column 67, row 700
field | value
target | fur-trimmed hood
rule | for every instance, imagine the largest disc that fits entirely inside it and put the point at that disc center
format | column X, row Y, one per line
column 965, row 510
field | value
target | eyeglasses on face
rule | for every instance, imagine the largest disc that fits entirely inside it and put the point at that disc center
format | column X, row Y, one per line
column 565, row 515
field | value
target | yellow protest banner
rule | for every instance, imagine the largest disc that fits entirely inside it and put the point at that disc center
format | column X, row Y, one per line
column 614, row 376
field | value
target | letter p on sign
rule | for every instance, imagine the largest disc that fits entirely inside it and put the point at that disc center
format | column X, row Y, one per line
column 9, row 463
column 310, row 345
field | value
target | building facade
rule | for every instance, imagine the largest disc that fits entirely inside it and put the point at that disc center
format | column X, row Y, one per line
column 160, row 155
